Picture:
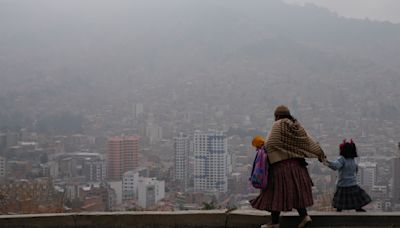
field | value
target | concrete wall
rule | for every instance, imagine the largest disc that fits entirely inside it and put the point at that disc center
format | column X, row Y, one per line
column 211, row 219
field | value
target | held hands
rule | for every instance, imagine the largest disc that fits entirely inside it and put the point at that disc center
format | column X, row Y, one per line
column 322, row 156
column 323, row 160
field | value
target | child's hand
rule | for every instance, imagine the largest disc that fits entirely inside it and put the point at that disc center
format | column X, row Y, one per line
column 325, row 162
column 322, row 158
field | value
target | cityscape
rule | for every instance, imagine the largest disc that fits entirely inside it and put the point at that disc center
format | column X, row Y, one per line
column 144, row 169
column 120, row 117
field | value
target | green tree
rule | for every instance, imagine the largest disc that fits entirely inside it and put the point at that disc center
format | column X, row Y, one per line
column 208, row 206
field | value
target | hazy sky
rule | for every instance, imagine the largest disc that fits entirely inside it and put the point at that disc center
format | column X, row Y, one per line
column 383, row 10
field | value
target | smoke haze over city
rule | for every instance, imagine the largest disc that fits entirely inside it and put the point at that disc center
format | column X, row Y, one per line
column 385, row 10
column 116, row 99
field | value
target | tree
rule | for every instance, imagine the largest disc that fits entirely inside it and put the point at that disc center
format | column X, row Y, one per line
column 208, row 206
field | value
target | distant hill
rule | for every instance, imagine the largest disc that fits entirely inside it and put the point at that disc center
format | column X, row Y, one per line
column 79, row 55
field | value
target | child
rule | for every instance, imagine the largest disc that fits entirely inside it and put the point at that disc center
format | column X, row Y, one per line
column 348, row 195
column 258, row 141
column 259, row 172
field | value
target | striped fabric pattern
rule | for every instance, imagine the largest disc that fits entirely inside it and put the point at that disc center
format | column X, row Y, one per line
column 348, row 198
column 290, row 187
column 288, row 139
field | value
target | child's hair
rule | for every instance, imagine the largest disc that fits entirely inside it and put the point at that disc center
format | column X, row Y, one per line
column 258, row 141
column 348, row 149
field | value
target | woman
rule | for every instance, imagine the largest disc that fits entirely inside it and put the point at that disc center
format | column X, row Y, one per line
column 287, row 145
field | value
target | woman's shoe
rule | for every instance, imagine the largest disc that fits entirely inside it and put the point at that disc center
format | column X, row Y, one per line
column 360, row 210
column 305, row 222
column 270, row 226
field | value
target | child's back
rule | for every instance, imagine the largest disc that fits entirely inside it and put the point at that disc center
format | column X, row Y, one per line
column 348, row 194
column 347, row 168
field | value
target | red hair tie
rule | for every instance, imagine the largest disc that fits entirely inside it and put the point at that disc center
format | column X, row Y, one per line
column 342, row 145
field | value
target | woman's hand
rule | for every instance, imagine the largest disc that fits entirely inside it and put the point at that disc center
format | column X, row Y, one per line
column 322, row 157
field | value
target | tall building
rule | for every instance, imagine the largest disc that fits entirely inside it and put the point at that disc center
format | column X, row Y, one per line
column 396, row 179
column 11, row 139
column 211, row 161
column 122, row 156
column 3, row 141
column 72, row 165
column 50, row 169
column 150, row 191
column 130, row 182
column 182, row 149
column 153, row 132
column 2, row 168
column 366, row 175
column 138, row 110
column 95, row 170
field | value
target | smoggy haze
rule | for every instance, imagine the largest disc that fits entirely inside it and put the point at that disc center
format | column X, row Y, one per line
column 381, row 10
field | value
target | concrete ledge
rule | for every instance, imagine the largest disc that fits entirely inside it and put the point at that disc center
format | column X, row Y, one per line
column 194, row 219
column 45, row 220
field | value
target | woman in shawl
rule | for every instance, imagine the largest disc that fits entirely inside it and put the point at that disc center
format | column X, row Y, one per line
column 287, row 145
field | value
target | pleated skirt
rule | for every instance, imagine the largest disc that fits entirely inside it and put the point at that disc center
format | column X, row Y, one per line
column 290, row 186
column 348, row 198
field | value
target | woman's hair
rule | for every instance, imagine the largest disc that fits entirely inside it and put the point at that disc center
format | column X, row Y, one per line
column 348, row 149
column 290, row 117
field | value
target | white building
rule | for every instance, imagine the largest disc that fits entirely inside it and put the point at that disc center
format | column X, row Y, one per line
column 153, row 132
column 366, row 175
column 71, row 191
column 211, row 162
column 130, row 181
column 138, row 110
column 117, row 187
column 95, row 170
column 395, row 178
column 379, row 191
column 50, row 169
column 182, row 149
column 11, row 139
column 3, row 171
column 150, row 191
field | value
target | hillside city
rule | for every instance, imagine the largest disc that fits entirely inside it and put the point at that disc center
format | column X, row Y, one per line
column 137, row 106
column 180, row 161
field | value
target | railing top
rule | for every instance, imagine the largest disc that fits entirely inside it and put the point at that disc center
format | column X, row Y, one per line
column 204, row 212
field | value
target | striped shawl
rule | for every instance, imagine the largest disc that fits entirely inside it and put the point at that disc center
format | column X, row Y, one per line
column 288, row 139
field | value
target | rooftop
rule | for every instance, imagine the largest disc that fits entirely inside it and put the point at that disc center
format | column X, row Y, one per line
column 188, row 219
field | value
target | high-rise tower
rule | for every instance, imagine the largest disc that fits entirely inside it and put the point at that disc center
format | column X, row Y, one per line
column 396, row 173
column 182, row 149
column 211, row 162
column 122, row 155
